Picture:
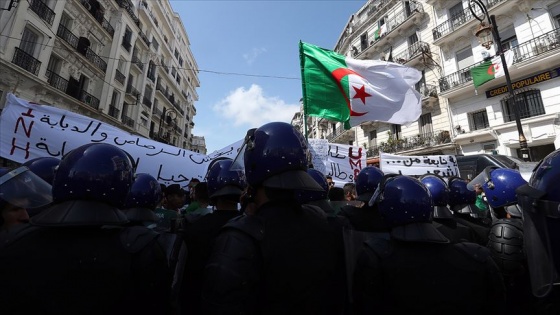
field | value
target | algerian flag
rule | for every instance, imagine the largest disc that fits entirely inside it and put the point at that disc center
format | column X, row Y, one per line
column 353, row 91
column 491, row 69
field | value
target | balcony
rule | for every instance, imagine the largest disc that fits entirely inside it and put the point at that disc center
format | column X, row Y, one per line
column 126, row 44
column 534, row 48
column 413, row 54
column 84, row 50
column 42, row 10
column 402, row 19
column 144, row 38
column 428, row 91
column 98, row 15
column 89, row 99
column 26, row 61
column 156, row 112
column 146, row 101
column 137, row 62
column 127, row 121
column 431, row 139
column 129, row 8
column 119, row 77
column 114, row 112
column 340, row 134
column 57, row 81
column 130, row 90
column 456, row 24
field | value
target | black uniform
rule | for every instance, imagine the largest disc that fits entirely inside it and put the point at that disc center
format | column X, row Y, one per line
column 365, row 219
column 480, row 226
column 84, row 270
column 199, row 237
column 279, row 261
column 454, row 231
column 399, row 277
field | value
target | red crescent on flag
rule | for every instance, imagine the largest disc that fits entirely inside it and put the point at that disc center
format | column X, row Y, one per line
column 491, row 69
column 338, row 74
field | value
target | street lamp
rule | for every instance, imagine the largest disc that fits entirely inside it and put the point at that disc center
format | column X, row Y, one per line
column 488, row 34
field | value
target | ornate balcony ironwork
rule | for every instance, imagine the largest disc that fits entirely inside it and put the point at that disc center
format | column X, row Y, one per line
column 57, row 81
column 144, row 38
column 137, row 62
column 99, row 17
column 414, row 50
column 89, row 99
column 127, row 121
column 42, row 10
column 26, row 61
column 132, row 90
column 129, row 8
column 73, row 41
column 120, row 77
column 146, row 101
column 424, row 140
column 114, row 111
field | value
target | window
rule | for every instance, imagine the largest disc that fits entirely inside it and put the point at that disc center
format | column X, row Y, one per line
column 173, row 71
column 126, row 39
column 412, row 39
column 396, row 131
column 181, row 61
column 66, row 21
column 176, row 53
column 555, row 13
column 114, row 99
column 179, row 79
column 151, row 71
column 464, row 60
column 478, row 120
column 29, row 41
column 364, row 41
column 425, row 124
column 509, row 39
column 457, row 14
column 529, row 103
column 155, row 44
column 54, row 65
column 372, row 139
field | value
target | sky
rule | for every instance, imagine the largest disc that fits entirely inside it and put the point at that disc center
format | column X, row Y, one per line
column 247, row 54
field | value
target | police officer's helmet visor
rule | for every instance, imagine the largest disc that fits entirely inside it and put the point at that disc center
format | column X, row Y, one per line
column 481, row 179
column 541, row 229
column 22, row 188
column 239, row 161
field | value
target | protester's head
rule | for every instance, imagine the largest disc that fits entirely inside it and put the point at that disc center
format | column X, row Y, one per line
column 540, row 203
column 174, row 197
column 336, row 194
column 43, row 167
column 330, row 181
column 97, row 171
column 224, row 182
column 349, row 191
column 20, row 189
column 276, row 157
column 367, row 181
column 144, row 193
column 201, row 193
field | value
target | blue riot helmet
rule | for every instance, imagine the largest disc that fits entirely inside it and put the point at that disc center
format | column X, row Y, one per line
column 406, row 205
column 440, row 195
column 276, row 155
column 367, row 181
column 459, row 195
column 43, row 167
column 305, row 196
column 540, row 201
column 96, row 171
column 145, row 192
column 224, row 181
column 24, row 189
column 499, row 185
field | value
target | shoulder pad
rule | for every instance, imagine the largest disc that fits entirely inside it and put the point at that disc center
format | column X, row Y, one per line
column 380, row 246
column 135, row 238
column 249, row 224
column 478, row 253
column 16, row 233
column 315, row 209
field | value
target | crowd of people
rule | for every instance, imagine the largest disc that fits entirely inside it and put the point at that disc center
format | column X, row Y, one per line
column 88, row 234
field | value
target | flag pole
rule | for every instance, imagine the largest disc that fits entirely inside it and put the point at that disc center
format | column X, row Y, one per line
column 304, row 98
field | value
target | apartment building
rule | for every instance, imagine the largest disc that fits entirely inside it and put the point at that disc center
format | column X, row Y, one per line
column 125, row 62
column 438, row 38
column 483, row 119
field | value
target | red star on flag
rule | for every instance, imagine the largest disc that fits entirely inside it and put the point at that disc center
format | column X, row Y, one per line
column 361, row 93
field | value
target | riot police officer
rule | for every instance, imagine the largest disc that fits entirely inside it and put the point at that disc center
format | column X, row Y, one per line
column 418, row 271
column 280, row 258
column 89, row 263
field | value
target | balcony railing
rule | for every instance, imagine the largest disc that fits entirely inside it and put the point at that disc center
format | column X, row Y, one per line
column 114, row 112
column 119, row 76
column 89, row 99
column 126, row 44
column 98, row 16
column 156, row 112
column 424, row 140
column 146, row 101
column 397, row 20
column 337, row 132
column 26, row 61
column 42, row 10
column 137, row 62
column 412, row 51
column 132, row 90
column 460, row 19
column 127, row 121
column 530, row 49
column 73, row 40
column 428, row 90
column 57, row 81
column 144, row 38
column 128, row 7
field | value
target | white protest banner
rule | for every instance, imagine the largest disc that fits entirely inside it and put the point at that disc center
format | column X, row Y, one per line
column 29, row 130
column 342, row 162
column 442, row 165
column 319, row 149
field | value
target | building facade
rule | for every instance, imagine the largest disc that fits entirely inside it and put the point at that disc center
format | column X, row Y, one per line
column 437, row 38
column 126, row 63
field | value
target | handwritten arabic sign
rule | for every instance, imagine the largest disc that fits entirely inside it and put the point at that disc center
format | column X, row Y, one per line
column 443, row 165
column 29, row 130
column 342, row 162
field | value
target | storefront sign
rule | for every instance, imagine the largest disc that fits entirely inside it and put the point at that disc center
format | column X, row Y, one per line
column 537, row 78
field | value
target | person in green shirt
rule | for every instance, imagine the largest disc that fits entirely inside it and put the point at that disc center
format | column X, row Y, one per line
column 168, row 215
column 480, row 203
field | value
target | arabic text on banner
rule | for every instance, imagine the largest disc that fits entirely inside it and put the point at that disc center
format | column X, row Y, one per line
column 443, row 165
column 342, row 162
